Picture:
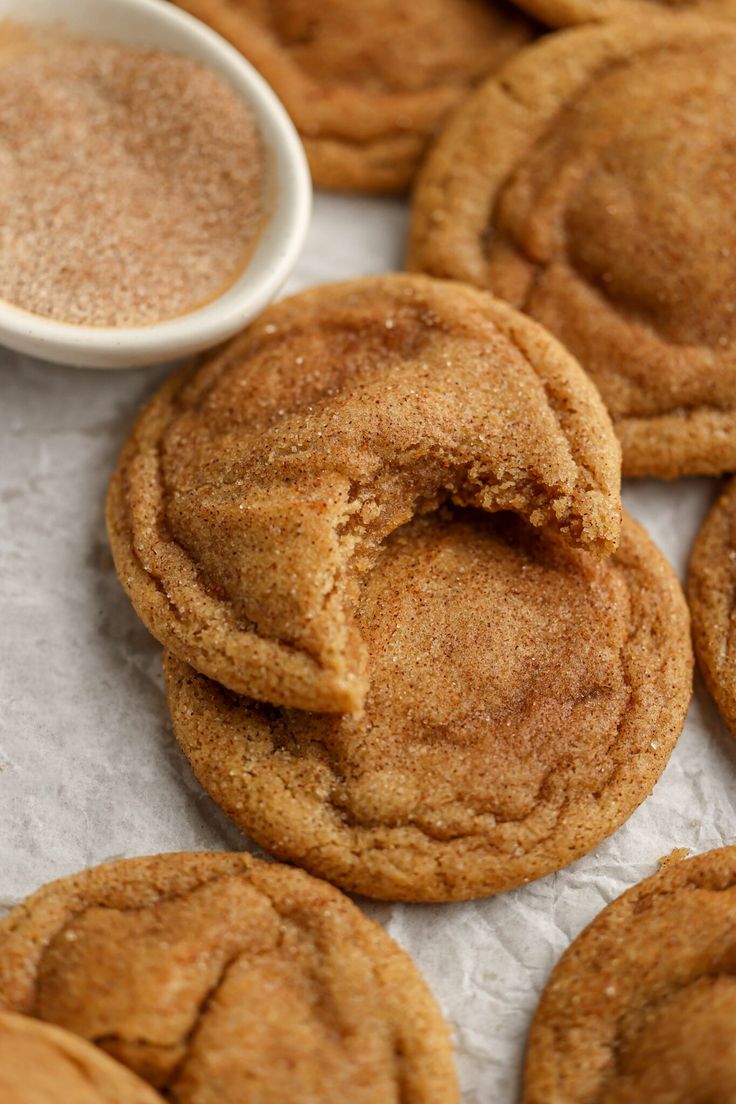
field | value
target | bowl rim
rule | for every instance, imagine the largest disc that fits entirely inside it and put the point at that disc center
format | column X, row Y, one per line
column 281, row 244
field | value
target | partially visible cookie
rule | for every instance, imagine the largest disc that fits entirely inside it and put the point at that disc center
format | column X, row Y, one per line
column 590, row 184
column 563, row 13
column 255, row 489
column 368, row 82
column 41, row 1064
column 218, row 977
column 524, row 699
column 712, row 594
column 642, row 1006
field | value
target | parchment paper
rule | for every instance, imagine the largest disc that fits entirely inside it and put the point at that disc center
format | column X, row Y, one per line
column 89, row 769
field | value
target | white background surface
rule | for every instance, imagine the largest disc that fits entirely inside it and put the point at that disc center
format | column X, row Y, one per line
column 89, row 769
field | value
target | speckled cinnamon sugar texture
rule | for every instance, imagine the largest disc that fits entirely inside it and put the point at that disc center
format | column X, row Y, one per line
column 256, row 489
column 565, row 13
column 642, row 1005
column 218, row 977
column 132, row 181
column 524, row 698
column 712, row 595
column 591, row 184
column 41, row 1064
column 368, row 82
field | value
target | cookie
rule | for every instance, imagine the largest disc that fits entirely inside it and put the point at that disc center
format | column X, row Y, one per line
column 256, row 489
column 220, row 977
column 564, row 13
column 41, row 1064
column 712, row 596
column 524, row 698
column 367, row 82
column 590, row 184
column 642, row 1006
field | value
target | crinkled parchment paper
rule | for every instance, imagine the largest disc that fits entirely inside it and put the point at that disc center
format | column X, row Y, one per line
column 88, row 767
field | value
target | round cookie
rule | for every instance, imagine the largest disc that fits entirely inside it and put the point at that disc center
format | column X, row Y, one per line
column 564, row 13
column 524, row 699
column 221, row 977
column 367, row 82
column 642, row 1006
column 712, row 595
column 255, row 489
column 590, row 183
column 41, row 1064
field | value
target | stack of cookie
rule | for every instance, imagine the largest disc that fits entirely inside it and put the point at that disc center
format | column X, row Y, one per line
column 410, row 646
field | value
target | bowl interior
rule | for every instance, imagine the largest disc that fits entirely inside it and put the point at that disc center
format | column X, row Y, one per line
column 158, row 24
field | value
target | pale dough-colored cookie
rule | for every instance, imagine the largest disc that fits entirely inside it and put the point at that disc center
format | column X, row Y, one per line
column 219, row 977
column 41, row 1064
column 590, row 183
column 564, row 13
column 524, row 699
column 712, row 595
column 368, row 82
column 255, row 490
column 642, row 1007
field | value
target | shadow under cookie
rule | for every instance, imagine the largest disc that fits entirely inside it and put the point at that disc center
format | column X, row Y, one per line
column 524, row 698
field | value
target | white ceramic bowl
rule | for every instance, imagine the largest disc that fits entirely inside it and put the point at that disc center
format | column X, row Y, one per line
column 160, row 24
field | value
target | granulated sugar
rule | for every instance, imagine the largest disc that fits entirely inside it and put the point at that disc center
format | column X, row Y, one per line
column 131, row 182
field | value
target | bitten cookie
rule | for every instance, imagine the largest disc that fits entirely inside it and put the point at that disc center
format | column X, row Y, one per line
column 712, row 595
column 255, row 490
column 590, row 184
column 642, row 1006
column 220, row 977
column 564, row 13
column 41, row 1064
column 368, row 82
column 524, row 699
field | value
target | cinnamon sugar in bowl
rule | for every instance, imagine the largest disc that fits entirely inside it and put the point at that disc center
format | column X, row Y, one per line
column 154, row 193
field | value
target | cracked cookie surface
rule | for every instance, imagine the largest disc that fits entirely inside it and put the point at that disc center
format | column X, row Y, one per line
column 367, row 82
column 642, row 1005
column 219, row 977
column 255, row 489
column 711, row 588
column 590, row 184
column 41, row 1064
column 524, row 699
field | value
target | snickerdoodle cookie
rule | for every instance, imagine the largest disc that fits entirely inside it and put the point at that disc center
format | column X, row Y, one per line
column 642, row 1006
column 367, row 82
column 256, row 488
column 524, row 698
column 220, row 977
column 712, row 594
column 41, row 1064
column 564, row 13
column 590, row 183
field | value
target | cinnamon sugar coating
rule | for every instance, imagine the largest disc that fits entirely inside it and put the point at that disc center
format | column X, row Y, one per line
column 218, row 977
column 642, row 1005
column 591, row 184
column 524, row 698
column 41, row 1064
column 255, row 490
column 711, row 588
column 367, row 82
